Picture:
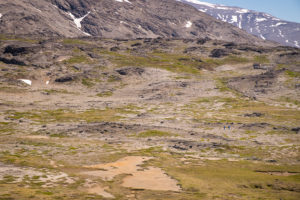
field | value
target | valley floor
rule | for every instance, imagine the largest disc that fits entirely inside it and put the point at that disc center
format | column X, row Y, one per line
column 136, row 123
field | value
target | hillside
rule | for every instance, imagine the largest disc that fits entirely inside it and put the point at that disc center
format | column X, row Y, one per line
column 115, row 19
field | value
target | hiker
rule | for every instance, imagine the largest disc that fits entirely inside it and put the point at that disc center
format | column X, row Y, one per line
column 224, row 127
column 229, row 127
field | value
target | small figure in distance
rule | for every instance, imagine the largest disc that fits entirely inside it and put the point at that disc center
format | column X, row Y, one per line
column 224, row 127
column 229, row 127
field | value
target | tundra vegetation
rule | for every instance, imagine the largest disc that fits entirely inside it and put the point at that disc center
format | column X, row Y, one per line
column 103, row 116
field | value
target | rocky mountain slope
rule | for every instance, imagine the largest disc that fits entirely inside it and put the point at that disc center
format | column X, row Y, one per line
column 114, row 19
column 260, row 24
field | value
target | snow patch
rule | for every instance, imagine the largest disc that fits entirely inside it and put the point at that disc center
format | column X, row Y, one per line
column 260, row 19
column 123, row 1
column 0, row 15
column 278, row 24
column 222, row 8
column 234, row 19
column 262, row 37
column 222, row 17
column 78, row 21
column 249, row 18
column 47, row 82
column 202, row 3
column 203, row 10
column 242, row 11
column 28, row 82
column 267, row 15
column 280, row 33
column 188, row 24
column 240, row 22
column 296, row 44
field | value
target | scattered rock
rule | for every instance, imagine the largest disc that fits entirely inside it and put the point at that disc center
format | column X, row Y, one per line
column 255, row 114
column 13, row 61
column 130, row 70
column 64, row 79
column 16, row 50
column 203, row 40
column 114, row 49
column 297, row 129
column 218, row 53
column 260, row 66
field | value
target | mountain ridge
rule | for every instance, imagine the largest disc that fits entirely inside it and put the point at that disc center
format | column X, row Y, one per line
column 261, row 24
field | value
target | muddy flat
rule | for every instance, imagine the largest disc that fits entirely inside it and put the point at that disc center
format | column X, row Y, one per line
column 151, row 178
column 108, row 171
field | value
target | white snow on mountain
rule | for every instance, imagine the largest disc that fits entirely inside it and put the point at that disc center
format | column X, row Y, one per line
column 123, row 1
column 280, row 33
column 233, row 19
column 203, row 10
column 263, row 25
column 242, row 11
column 278, row 24
column 78, row 21
column 260, row 19
column 201, row 3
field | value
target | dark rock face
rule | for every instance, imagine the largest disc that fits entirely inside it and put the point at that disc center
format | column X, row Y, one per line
column 114, row 49
column 297, row 129
column 16, row 50
column 12, row 61
column 64, row 79
column 218, row 53
column 114, row 19
column 203, row 40
column 130, row 70
column 255, row 114
column 19, row 53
